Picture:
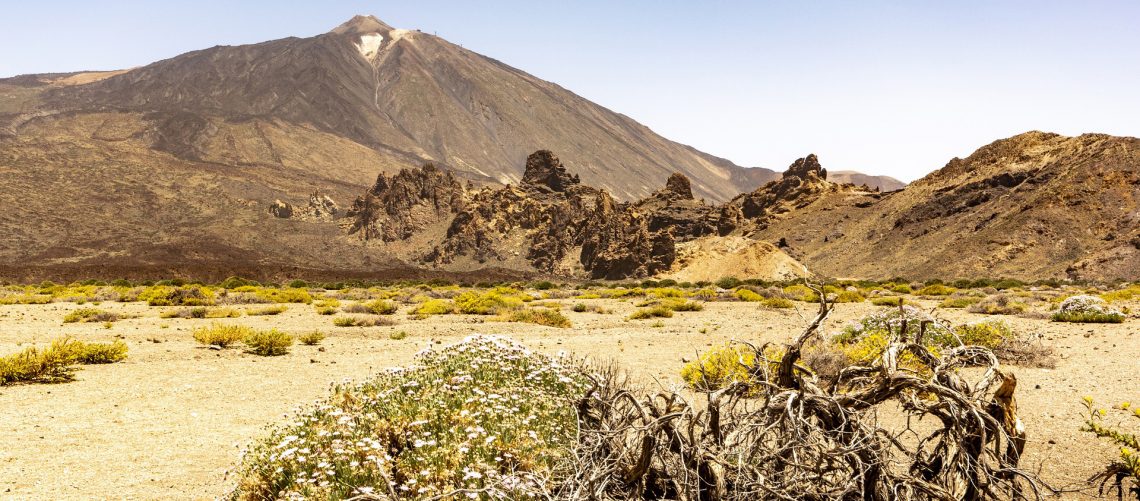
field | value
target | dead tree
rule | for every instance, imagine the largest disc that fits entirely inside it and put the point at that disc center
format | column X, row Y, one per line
column 779, row 435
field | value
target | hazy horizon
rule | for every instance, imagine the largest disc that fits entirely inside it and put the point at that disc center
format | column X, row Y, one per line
column 879, row 88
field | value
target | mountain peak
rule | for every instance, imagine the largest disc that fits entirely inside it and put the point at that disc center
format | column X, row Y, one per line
column 362, row 25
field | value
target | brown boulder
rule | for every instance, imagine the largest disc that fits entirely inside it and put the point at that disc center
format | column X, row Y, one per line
column 281, row 209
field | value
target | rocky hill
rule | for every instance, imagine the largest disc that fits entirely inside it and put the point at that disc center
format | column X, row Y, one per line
column 1032, row 206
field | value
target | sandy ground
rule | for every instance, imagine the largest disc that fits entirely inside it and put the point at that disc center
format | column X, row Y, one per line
column 169, row 422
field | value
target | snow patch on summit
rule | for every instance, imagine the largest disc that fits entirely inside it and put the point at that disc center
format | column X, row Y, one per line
column 370, row 44
column 399, row 34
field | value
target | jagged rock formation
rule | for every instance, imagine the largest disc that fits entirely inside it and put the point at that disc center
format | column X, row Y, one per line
column 539, row 220
column 550, row 221
column 804, row 182
column 320, row 208
column 401, row 205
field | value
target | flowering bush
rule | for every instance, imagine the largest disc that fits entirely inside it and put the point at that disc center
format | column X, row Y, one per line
column 1086, row 309
column 485, row 418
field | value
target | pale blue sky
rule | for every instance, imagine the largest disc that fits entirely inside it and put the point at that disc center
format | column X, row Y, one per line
column 893, row 88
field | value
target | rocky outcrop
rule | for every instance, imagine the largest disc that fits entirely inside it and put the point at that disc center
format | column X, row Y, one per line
column 619, row 243
column 544, row 215
column 321, row 208
column 678, row 185
column 803, row 182
column 549, row 222
column 544, row 170
column 399, row 206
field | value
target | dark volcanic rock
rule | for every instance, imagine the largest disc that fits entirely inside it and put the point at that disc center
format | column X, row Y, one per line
column 679, row 185
column 399, row 206
column 805, row 168
column 619, row 243
column 550, row 222
column 544, row 169
column 804, row 180
column 674, row 208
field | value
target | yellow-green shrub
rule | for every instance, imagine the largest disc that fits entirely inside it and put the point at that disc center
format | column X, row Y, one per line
column 223, row 312
column 620, row 293
column 988, row 333
column 1127, row 294
column 361, row 321
column 801, row 293
column 900, row 288
column 166, row 295
column 663, row 292
column 101, row 353
column 717, row 368
column 311, row 338
column 849, row 297
column 655, row 311
column 936, row 290
column 434, row 307
column 55, row 363
column 381, row 307
column 89, row 315
column 491, row 302
column 327, row 303
column 221, row 335
column 777, row 302
column 268, row 343
column 540, row 316
column 959, row 302
column 748, row 295
column 682, row 305
column 285, row 295
column 267, row 311
column 886, row 300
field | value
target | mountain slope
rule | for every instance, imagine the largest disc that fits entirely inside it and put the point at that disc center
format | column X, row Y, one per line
column 882, row 183
column 411, row 96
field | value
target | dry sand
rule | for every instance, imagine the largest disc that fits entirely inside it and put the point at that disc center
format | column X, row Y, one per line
column 169, row 422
